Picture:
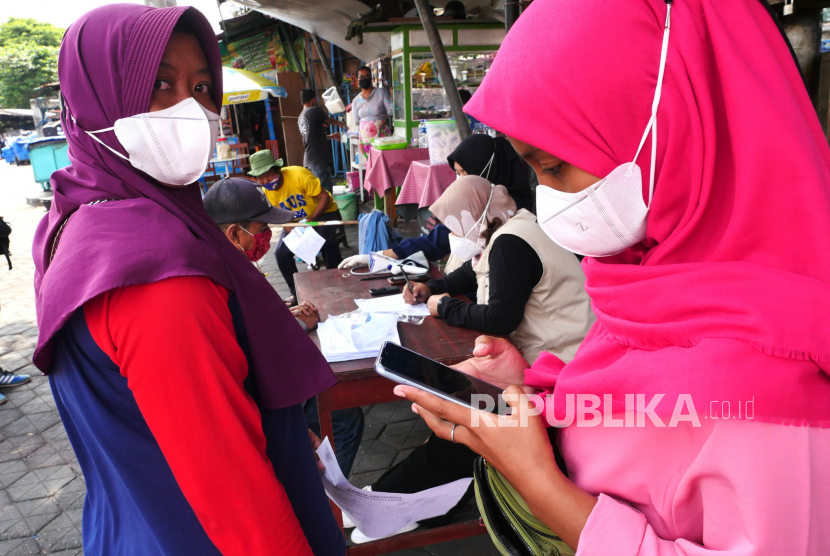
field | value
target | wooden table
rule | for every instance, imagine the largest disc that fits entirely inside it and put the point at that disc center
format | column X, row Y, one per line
column 334, row 292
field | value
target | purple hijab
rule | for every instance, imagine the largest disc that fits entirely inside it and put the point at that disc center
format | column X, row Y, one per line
column 107, row 66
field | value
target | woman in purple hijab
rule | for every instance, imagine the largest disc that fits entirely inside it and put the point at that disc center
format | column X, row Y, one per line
column 177, row 370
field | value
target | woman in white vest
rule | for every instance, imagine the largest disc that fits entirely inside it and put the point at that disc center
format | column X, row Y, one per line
column 526, row 285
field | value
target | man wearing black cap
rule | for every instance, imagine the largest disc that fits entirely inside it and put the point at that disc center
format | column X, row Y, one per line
column 243, row 213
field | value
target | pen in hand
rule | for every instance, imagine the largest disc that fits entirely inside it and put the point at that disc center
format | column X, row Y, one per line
column 408, row 283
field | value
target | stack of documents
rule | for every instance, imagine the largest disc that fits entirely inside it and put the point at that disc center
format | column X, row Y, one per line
column 356, row 335
column 393, row 304
column 380, row 514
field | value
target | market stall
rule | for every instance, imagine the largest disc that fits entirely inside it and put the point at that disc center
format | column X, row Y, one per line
column 240, row 87
column 420, row 107
column 254, row 58
column 417, row 92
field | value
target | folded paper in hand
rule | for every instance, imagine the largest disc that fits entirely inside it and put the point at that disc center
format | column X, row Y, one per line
column 380, row 514
column 356, row 335
column 305, row 243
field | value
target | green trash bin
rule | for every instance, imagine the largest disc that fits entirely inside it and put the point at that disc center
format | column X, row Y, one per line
column 347, row 203
column 47, row 155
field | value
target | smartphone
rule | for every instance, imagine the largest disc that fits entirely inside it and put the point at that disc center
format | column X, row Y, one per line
column 388, row 290
column 404, row 366
column 401, row 280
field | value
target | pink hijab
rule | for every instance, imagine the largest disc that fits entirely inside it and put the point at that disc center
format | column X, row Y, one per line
column 729, row 295
column 460, row 207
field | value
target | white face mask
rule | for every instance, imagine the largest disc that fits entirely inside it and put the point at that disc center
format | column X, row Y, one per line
column 465, row 248
column 610, row 216
column 172, row 145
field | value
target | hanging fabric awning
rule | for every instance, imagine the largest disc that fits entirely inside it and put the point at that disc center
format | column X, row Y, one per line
column 241, row 86
column 328, row 19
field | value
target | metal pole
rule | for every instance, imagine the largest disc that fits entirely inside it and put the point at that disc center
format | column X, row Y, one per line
column 803, row 29
column 443, row 63
column 512, row 10
column 236, row 120
column 269, row 119
column 289, row 45
column 323, row 60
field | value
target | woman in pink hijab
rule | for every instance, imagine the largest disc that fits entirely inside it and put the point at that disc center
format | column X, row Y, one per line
column 694, row 418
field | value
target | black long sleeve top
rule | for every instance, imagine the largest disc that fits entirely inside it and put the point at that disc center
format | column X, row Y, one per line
column 515, row 269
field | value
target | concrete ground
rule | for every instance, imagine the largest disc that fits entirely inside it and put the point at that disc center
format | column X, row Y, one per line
column 41, row 485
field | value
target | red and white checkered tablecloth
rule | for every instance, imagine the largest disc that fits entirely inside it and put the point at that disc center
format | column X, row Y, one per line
column 387, row 169
column 425, row 182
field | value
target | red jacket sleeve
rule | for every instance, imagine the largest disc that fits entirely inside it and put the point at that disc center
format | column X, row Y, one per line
column 175, row 343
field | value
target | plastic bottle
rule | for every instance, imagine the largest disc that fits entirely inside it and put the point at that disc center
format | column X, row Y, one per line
column 422, row 134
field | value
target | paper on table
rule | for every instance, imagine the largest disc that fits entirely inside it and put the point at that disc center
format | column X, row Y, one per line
column 379, row 514
column 391, row 304
column 356, row 336
column 305, row 243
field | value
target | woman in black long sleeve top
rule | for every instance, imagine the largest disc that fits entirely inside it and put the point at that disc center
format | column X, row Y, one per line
column 515, row 269
column 495, row 160
column 526, row 285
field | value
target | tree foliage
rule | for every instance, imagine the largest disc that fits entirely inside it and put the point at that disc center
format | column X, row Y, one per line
column 28, row 59
column 22, row 30
column 23, row 67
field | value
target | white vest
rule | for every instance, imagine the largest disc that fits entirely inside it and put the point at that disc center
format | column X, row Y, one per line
column 558, row 312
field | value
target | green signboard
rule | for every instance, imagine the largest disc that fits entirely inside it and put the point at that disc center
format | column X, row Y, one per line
column 261, row 53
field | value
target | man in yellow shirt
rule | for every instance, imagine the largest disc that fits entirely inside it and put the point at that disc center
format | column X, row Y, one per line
column 296, row 189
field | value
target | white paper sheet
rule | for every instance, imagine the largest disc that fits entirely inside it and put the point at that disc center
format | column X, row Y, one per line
column 391, row 304
column 356, row 336
column 378, row 514
column 305, row 243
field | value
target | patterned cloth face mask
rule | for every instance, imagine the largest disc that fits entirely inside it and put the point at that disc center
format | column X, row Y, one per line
column 262, row 243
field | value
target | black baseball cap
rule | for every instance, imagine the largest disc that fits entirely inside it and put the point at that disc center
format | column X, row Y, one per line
column 239, row 199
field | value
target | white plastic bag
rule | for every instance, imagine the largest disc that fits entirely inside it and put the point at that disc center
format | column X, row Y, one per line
column 333, row 102
column 442, row 139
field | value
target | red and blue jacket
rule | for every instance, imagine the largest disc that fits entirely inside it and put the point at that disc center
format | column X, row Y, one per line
column 152, row 385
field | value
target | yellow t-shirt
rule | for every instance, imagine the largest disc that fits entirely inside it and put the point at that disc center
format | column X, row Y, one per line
column 298, row 192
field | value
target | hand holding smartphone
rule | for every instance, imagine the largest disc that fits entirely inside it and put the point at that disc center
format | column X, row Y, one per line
column 404, row 366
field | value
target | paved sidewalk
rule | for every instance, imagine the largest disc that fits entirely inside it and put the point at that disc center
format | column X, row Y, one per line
column 41, row 485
